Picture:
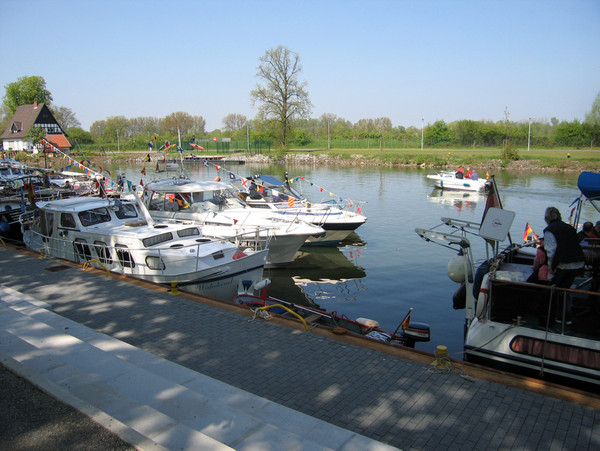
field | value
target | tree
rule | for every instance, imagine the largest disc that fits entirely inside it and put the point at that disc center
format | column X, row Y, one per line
column 234, row 122
column 24, row 91
column 283, row 97
column 593, row 117
column 179, row 121
column 79, row 136
column 65, row 117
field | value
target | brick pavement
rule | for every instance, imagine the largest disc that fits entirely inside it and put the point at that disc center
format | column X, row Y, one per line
column 390, row 399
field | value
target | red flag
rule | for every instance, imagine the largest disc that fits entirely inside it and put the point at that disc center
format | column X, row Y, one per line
column 141, row 182
column 144, row 170
column 492, row 201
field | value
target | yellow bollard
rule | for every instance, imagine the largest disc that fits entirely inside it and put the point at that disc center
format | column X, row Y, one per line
column 441, row 352
column 174, row 288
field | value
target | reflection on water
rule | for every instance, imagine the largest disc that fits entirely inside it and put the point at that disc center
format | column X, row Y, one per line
column 320, row 273
column 462, row 200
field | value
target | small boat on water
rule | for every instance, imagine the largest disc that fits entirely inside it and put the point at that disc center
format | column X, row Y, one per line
column 533, row 328
column 222, row 214
column 339, row 219
column 118, row 235
column 449, row 180
column 406, row 334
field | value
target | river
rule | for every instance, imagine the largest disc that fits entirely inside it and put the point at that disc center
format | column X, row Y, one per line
column 385, row 268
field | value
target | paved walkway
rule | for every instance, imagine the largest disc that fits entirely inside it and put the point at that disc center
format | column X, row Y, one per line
column 165, row 372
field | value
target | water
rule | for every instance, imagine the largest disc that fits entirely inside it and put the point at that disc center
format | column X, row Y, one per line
column 385, row 268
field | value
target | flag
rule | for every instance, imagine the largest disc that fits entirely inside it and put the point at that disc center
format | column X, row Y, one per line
column 232, row 176
column 492, row 201
column 141, row 182
column 291, row 202
column 406, row 320
column 144, row 170
column 528, row 231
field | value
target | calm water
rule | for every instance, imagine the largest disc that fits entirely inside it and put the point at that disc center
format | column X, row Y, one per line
column 385, row 268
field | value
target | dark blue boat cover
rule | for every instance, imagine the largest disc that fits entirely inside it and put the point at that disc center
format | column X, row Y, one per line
column 589, row 184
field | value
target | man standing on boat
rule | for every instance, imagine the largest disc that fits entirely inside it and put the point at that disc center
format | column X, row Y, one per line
column 565, row 256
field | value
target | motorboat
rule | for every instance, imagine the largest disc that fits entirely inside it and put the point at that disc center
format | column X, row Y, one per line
column 214, row 206
column 339, row 219
column 117, row 234
column 534, row 328
column 449, row 180
column 407, row 333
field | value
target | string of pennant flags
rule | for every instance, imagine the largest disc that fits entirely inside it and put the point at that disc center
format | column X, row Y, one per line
column 86, row 169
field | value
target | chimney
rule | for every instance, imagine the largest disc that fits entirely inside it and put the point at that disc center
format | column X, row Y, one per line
column 34, row 105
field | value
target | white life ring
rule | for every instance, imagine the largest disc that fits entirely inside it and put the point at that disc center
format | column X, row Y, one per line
column 482, row 298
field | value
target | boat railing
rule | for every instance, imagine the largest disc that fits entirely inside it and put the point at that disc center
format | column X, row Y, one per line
column 568, row 311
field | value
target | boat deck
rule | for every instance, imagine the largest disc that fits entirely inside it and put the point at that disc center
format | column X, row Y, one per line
column 178, row 371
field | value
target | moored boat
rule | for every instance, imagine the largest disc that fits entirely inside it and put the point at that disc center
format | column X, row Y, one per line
column 448, row 180
column 534, row 328
column 406, row 334
column 118, row 236
column 222, row 214
column 339, row 219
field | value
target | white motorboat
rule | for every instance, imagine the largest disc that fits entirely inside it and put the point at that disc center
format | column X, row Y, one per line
column 448, row 180
column 542, row 330
column 119, row 236
column 222, row 214
column 339, row 219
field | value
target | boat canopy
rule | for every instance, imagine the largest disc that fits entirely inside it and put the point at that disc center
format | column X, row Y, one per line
column 589, row 184
column 271, row 180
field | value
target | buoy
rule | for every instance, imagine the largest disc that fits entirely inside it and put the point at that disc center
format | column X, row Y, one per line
column 173, row 289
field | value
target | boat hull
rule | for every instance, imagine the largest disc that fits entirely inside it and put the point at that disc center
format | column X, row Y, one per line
column 544, row 355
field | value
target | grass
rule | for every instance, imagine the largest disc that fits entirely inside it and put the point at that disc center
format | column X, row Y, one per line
column 558, row 159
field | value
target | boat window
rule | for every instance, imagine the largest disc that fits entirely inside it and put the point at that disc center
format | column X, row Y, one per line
column 126, row 211
column 124, row 256
column 192, row 231
column 197, row 197
column 157, row 239
column 93, row 217
column 82, row 250
column 67, row 220
column 103, row 252
column 559, row 352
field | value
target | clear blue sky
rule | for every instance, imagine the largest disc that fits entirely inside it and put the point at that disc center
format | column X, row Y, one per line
column 409, row 60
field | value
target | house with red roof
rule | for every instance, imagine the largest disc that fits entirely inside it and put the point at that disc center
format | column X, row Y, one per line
column 28, row 116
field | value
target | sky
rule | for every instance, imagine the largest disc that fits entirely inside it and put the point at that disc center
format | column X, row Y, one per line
column 413, row 61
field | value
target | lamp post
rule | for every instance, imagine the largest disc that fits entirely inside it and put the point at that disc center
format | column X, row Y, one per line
column 422, row 129
column 529, row 137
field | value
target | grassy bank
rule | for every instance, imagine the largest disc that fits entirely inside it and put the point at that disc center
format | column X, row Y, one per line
column 559, row 159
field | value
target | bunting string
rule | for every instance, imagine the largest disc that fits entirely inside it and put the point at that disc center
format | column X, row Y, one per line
column 88, row 171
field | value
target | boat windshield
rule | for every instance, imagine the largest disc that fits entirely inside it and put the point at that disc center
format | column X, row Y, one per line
column 93, row 217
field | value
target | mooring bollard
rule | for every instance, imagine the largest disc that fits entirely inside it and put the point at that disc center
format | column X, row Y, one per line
column 441, row 352
column 174, row 288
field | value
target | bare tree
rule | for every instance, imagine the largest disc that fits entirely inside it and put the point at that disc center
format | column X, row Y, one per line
column 233, row 122
column 282, row 97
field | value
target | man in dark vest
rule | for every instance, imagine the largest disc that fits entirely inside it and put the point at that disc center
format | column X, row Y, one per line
column 565, row 256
